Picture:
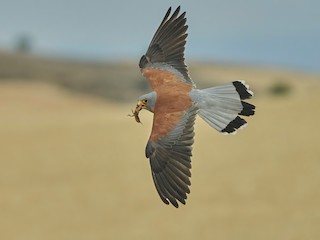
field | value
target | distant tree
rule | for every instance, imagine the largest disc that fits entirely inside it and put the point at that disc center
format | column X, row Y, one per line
column 23, row 43
column 280, row 88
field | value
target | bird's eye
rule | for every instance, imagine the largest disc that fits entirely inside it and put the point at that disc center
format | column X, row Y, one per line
column 145, row 101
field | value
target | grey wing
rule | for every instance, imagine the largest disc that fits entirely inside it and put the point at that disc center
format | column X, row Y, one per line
column 170, row 160
column 168, row 44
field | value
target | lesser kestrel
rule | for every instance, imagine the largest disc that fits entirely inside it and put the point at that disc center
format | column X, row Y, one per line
column 175, row 102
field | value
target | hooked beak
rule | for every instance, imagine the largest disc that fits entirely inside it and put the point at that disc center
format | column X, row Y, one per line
column 140, row 105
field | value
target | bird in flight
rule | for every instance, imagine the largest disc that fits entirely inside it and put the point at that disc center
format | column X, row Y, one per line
column 175, row 101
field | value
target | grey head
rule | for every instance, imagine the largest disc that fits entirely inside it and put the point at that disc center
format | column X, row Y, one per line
column 148, row 101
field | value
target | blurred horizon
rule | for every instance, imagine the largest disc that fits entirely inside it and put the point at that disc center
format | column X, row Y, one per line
column 282, row 34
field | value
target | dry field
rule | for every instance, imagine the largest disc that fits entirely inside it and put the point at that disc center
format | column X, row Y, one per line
column 73, row 167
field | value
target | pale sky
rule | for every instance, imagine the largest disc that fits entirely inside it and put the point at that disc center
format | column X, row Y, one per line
column 280, row 33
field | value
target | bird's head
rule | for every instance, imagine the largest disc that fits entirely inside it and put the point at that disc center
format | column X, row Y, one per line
column 147, row 101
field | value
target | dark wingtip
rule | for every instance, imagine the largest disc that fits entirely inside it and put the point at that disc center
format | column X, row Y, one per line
column 175, row 13
column 175, row 204
column 165, row 201
column 168, row 13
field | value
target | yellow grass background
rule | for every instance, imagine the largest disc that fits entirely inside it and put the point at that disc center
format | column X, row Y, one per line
column 73, row 167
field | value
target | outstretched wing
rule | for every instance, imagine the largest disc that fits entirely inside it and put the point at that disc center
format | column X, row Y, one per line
column 170, row 155
column 170, row 144
column 166, row 50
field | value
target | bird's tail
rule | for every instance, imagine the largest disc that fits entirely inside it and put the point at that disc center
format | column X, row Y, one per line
column 221, row 106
